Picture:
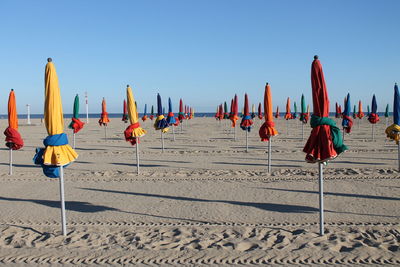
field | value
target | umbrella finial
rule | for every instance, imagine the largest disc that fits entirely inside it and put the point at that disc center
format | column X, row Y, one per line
column 266, row 83
column 127, row 85
column 12, row 89
column 49, row 59
column 315, row 57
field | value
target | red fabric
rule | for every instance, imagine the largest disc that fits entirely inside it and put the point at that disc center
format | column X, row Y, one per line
column 340, row 111
column 180, row 106
column 170, row 114
column 104, row 119
column 77, row 125
column 373, row 118
column 246, row 105
column 259, row 111
column 319, row 146
column 13, row 139
column 144, row 118
column 305, row 116
column 176, row 121
column 288, row 116
column 246, row 123
column 265, row 131
column 277, row 112
column 151, row 117
column 236, row 105
column 128, row 133
column 350, row 124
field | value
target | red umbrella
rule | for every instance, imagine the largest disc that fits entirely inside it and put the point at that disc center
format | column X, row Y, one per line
column 260, row 116
column 247, row 122
column 277, row 112
column 325, row 141
column 125, row 113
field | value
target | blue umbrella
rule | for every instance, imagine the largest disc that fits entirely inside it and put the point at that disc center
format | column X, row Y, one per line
column 393, row 131
column 161, row 123
column 170, row 117
column 347, row 121
column 373, row 116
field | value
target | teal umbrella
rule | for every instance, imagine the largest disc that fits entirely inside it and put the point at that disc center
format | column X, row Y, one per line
column 75, row 124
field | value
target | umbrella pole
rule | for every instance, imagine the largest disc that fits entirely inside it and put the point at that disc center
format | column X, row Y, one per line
column 287, row 127
column 321, row 199
column 11, row 159
column 73, row 141
column 302, row 130
column 269, row 154
column 173, row 131
column 398, row 154
column 105, row 132
column 247, row 141
column 162, row 141
column 234, row 133
column 137, row 154
column 373, row 132
column 63, row 219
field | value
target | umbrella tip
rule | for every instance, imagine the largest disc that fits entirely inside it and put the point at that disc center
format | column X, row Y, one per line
column 315, row 57
column 49, row 59
column 12, row 89
column 127, row 85
column 266, row 83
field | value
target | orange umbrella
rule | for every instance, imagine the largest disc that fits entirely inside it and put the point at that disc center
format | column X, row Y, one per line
column 277, row 112
column 268, row 130
column 288, row 115
column 13, row 138
column 104, row 120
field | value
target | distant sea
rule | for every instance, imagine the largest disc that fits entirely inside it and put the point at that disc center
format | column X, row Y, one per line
column 119, row 115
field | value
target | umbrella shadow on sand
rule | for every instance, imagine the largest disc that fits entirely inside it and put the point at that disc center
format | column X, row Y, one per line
column 78, row 206
column 20, row 165
column 284, row 208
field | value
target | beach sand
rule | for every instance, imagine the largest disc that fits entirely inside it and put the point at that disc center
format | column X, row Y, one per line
column 204, row 201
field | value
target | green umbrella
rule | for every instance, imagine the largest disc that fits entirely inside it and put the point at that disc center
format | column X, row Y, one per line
column 368, row 110
column 354, row 112
column 387, row 111
column 75, row 124
column 303, row 115
column 295, row 111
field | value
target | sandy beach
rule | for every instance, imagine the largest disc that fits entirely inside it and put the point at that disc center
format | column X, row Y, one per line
column 204, row 201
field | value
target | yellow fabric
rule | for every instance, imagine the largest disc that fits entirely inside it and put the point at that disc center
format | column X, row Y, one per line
column 132, row 114
column 393, row 132
column 54, row 121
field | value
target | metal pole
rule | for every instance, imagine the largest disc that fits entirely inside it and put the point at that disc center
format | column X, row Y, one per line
column 73, row 141
column 173, row 131
column 373, row 132
column 302, row 130
column 28, row 106
column 87, row 108
column 137, row 154
column 11, row 159
column 321, row 199
column 181, row 127
column 398, row 154
column 287, row 127
column 269, row 154
column 162, row 141
column 62, row 199
column 105, row 132
column 247, row 141
column 234, row 133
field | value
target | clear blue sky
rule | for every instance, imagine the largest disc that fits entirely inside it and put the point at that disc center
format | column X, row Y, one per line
column 202, row 51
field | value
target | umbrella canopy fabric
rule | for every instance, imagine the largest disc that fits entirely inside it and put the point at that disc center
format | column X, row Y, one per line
column 57, row 152
column 360, row 114
column 133, row 131
column 231, row 109
column 13, row 138
column 347, row 121
column 295, row 110
column 387, row 111
column 235, row 109
column 76, row 124
column 160, row 123
column 125, row 113
column 308, row 111
column 104, row 120
column 340, row 111
column 253, row 111
column 325, row 142
column 354, row 112
column 303, row 114
column 288, row 115
column 277, row 112
column 152, row 113
column 181, row 115
column 373, row 116
column 226, row 114
column 144, row 117
column 259, row 111
column 337, row 111
column 170, row 117
column 246, row 122
column 393, row 131
column 368, row 111
column 268, row 128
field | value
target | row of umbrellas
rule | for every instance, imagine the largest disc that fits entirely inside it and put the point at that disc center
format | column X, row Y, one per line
column 325, row 142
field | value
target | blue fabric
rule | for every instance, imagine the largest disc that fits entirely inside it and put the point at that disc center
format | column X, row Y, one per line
column 159, row 105
column 169, row 105
column 347, row 106
column 374, row 106
column 51, row 171
column 396, row 106
column 56, row 140
column 171, row 120
column 161, row 124
column 247, row 117
column 145, row 109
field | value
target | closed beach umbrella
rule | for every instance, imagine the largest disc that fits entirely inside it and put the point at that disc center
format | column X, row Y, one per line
column 125, row 113
column 181, row 115
column 133, row 132
column 360, row 114
column 340, row 111
column 144, row 117
column 161, row 123
column 57, row 153
column 325, row 142
column 303, row 114
column 234, row 117
column 253, row 111
column 104, row 120
column 368, row 111
column 373, row 116
column 295, row 111
column 76, row 124
column 277, row 112
column 267, row 130
column 288, row 114
column 246, row 122
column 171, row 117
column 393, row 131
column 354, row 112
column 226, row 114
column 347, row 121
column 152, row 113
column 387, row 111
column 260, row 116
column 337, row 110
column 13, row 138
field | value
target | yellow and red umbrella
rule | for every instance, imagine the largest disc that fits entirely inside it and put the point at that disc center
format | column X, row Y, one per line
column 134, row 130
column 13, row 138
